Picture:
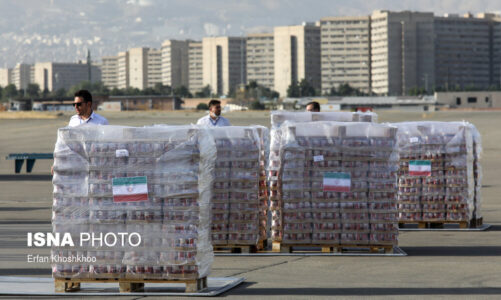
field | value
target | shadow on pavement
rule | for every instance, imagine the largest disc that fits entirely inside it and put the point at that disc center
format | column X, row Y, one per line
column 244, row 290
column 24, row 222
column 18, row 208
column 25, row 177
column 494, row 228
column 453, row 251
column 25, row 271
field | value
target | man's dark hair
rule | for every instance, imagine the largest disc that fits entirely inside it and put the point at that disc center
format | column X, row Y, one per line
column 85, row 95
column 316, row 105
column 214, row 102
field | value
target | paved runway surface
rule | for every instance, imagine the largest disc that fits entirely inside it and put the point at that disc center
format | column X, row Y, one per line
column 450, row 265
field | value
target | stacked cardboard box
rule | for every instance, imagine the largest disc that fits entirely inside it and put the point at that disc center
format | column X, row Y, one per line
column 439, row 176
column 151, row 185
column 335, row 184
column 239, row 202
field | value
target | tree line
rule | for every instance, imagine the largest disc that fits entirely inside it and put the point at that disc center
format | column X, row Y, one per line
column 251, row 94
column 33, row 91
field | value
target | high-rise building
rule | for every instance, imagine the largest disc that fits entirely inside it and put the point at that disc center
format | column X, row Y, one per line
column 55, row 76
column 402, row 51
column 496, row 50
column 123, row 70
column 109, row 71
column 175, row 64
column 138, row 68
column 5, row 77
column 223, row 63
column 154, row 67
column 346, row 56
column 463, row 51
column 21, row 76
column 260, row 59
column 297, row 56
column 195, row 67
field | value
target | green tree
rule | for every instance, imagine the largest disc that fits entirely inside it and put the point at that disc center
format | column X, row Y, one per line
column 116, row 92
column 33, row 90
column 306, row 89
column 345, row 90
column 205, row 92
column 415, row 91
column 256, row 105
column 182, row 91
column 60, row 93
column 293, row 90
column 202, row 106
column 149, row 91
column 10, row 91
column 161, row 89
column 256, row 91
column 45, row 93
column 301, row 89
column 131, row 91
column 332, row 92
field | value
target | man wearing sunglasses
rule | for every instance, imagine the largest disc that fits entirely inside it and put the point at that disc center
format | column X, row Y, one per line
column 83, row 108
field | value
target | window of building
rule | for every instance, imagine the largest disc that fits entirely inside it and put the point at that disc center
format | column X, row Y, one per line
column 486, row 99
column 458, row 101
column 472, row 99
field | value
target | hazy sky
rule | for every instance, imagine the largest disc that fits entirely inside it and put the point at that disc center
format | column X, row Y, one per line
column 62, row 30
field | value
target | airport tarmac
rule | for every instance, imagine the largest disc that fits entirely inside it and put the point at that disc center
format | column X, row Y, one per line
column 459, row 265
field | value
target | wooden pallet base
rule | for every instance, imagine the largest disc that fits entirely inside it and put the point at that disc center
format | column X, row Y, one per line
column 235, row 248
column 63, row 285
column 474, row 223
column 289, row 248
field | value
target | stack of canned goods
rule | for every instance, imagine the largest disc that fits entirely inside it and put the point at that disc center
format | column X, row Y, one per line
column 448, row 188
column 171, row 222
column 239, row 201
column 336, row 184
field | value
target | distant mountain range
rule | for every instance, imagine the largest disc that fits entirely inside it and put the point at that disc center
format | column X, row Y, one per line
column 63, row 30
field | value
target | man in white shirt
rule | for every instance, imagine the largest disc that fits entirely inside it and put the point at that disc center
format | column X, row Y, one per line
column 85, row 115
column 214, row 119
column 83, row 108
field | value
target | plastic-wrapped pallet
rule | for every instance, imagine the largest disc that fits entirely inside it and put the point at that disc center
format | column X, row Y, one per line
column 279, row 117
column 153, row 181
column 239, row 202
column 336, row 184
column 440, row 175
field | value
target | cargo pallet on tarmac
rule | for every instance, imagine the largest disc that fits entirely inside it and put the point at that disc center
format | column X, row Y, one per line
column 336, row 248
column 239, row 248
column 63, row 285
column 476, row 223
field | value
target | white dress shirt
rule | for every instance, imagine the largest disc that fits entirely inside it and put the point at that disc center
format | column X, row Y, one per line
column 94, row 119
column 207, row 121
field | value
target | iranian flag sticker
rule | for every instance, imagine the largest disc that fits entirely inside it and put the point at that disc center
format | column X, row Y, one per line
column 420, row 168
column 337, row 182
column 130, row 189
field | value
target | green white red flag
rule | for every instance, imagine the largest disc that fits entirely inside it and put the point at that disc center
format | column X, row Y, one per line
column 130, row 189
column 420, row 168
column 337, row 182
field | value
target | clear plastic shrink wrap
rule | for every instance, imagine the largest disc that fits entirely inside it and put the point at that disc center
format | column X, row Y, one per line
column 279, row 117
column 440, row 175
column 239, row 200
column 172, row 219
column 335, row 184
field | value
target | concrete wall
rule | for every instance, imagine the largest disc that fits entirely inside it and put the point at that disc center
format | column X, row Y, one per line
column 483, row 99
